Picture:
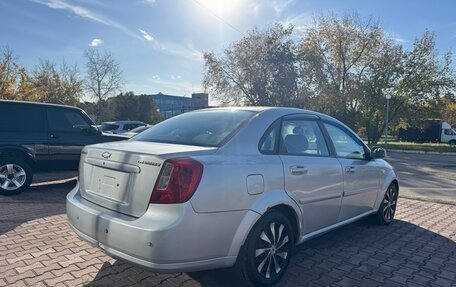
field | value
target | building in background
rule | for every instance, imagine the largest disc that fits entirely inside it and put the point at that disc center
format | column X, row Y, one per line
column 170, row 105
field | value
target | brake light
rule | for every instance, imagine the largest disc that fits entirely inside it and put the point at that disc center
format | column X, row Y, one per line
column 177, row 181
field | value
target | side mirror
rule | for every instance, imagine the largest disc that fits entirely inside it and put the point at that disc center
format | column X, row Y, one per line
column 90, row 131
column 377, row 152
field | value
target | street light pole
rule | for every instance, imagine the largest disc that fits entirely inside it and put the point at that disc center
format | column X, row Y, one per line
column 388, row 98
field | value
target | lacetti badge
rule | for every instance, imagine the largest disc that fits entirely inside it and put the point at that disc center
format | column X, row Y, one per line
column 106, row 154
column 149, row 162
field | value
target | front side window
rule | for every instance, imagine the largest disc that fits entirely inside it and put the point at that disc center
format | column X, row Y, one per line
column 66, row 121
column 344, row 144
column 128, row 127
column 202, row 128
column 109, row 127
column 449, row 132
column 302, row 137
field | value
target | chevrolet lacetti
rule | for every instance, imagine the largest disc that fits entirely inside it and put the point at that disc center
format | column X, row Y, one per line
column 228, row 187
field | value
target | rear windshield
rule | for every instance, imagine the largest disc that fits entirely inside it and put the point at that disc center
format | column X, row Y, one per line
column 203, row 128
column 109, row 127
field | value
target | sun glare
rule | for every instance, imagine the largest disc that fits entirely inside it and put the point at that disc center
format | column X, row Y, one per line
column 220, row 7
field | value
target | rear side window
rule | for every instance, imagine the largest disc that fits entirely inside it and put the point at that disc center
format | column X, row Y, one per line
column 22, row 118
column 302, row 137
column 270, row 139
column 66, row 121
column 202, row 128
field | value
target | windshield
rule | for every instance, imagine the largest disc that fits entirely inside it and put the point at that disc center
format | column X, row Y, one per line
column 203, row 128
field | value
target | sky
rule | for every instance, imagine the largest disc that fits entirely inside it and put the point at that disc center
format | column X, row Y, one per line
column 159, row 43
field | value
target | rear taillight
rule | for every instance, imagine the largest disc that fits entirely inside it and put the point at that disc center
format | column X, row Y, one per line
column 177, row 181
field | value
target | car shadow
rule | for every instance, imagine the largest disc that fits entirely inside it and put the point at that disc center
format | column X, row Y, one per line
column 41, row 200
column 359, row 250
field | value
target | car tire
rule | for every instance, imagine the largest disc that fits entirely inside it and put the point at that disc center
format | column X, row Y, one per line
column 15, row 176
column 267, row 251
column 387, row 208
column 452, row 143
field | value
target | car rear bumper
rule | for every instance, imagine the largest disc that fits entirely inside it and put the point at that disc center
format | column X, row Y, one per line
column 167, row 238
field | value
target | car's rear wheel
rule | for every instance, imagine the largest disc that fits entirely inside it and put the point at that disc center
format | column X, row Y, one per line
column 267, row 251
column 15, row 176
column 387, row 209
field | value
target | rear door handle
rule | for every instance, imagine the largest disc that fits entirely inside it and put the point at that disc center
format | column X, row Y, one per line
column 298, row 170
column 350, row 169
column 54, row 136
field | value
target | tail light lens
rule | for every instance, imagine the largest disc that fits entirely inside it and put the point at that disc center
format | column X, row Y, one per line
column 177, row 181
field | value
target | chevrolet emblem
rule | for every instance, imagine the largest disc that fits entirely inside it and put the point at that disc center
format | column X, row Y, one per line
column 106, row 154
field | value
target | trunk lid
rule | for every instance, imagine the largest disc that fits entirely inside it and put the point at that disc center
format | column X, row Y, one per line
column 121, row 176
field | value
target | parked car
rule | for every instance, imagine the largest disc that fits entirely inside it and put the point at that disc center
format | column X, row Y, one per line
column 136, row 131
column 221, row 187
column 120, row 127
column 35, row 137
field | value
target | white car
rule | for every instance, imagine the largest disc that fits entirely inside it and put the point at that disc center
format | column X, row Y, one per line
column 136, row 131
column 228, row 187
column 120, row 127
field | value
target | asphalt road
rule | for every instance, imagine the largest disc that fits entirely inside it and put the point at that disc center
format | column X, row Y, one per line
column 425, row 176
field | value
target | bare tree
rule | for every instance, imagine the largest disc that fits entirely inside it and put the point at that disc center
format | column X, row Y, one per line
column 104, row 77
column 59, row 85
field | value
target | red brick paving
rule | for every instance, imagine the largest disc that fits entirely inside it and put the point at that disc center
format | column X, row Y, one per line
column 37, row 248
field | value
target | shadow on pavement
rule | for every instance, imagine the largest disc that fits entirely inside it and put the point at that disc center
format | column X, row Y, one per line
column 38, row 201
column 357, row 254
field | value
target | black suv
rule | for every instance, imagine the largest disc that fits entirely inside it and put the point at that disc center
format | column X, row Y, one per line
column 35, row 137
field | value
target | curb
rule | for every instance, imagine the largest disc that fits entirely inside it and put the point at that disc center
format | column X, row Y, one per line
column 53, row 182
column 433, row 200
column 421, row 152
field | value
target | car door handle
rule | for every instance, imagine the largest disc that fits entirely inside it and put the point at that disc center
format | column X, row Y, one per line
column 54, row 136
column 350, row 169
column 298, row 170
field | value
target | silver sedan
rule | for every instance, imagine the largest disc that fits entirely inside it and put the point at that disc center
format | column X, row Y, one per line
column 228, row 187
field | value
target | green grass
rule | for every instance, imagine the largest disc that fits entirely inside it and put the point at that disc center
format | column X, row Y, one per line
column 437, row 147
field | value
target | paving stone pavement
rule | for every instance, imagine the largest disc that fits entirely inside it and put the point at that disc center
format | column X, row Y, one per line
column 37, row 248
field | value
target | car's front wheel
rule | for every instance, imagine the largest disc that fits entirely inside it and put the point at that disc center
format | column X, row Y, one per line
column 267, row 251
column 15, row 176
column 387, row 209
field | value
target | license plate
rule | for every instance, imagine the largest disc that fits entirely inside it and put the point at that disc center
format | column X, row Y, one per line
column 110, row 183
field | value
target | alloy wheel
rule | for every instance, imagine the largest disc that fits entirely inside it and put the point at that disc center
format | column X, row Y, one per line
column 272, row 250
column 389, row 204
column 12, row 177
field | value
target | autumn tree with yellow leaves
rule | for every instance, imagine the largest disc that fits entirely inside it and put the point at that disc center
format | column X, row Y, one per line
column 15, row 82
